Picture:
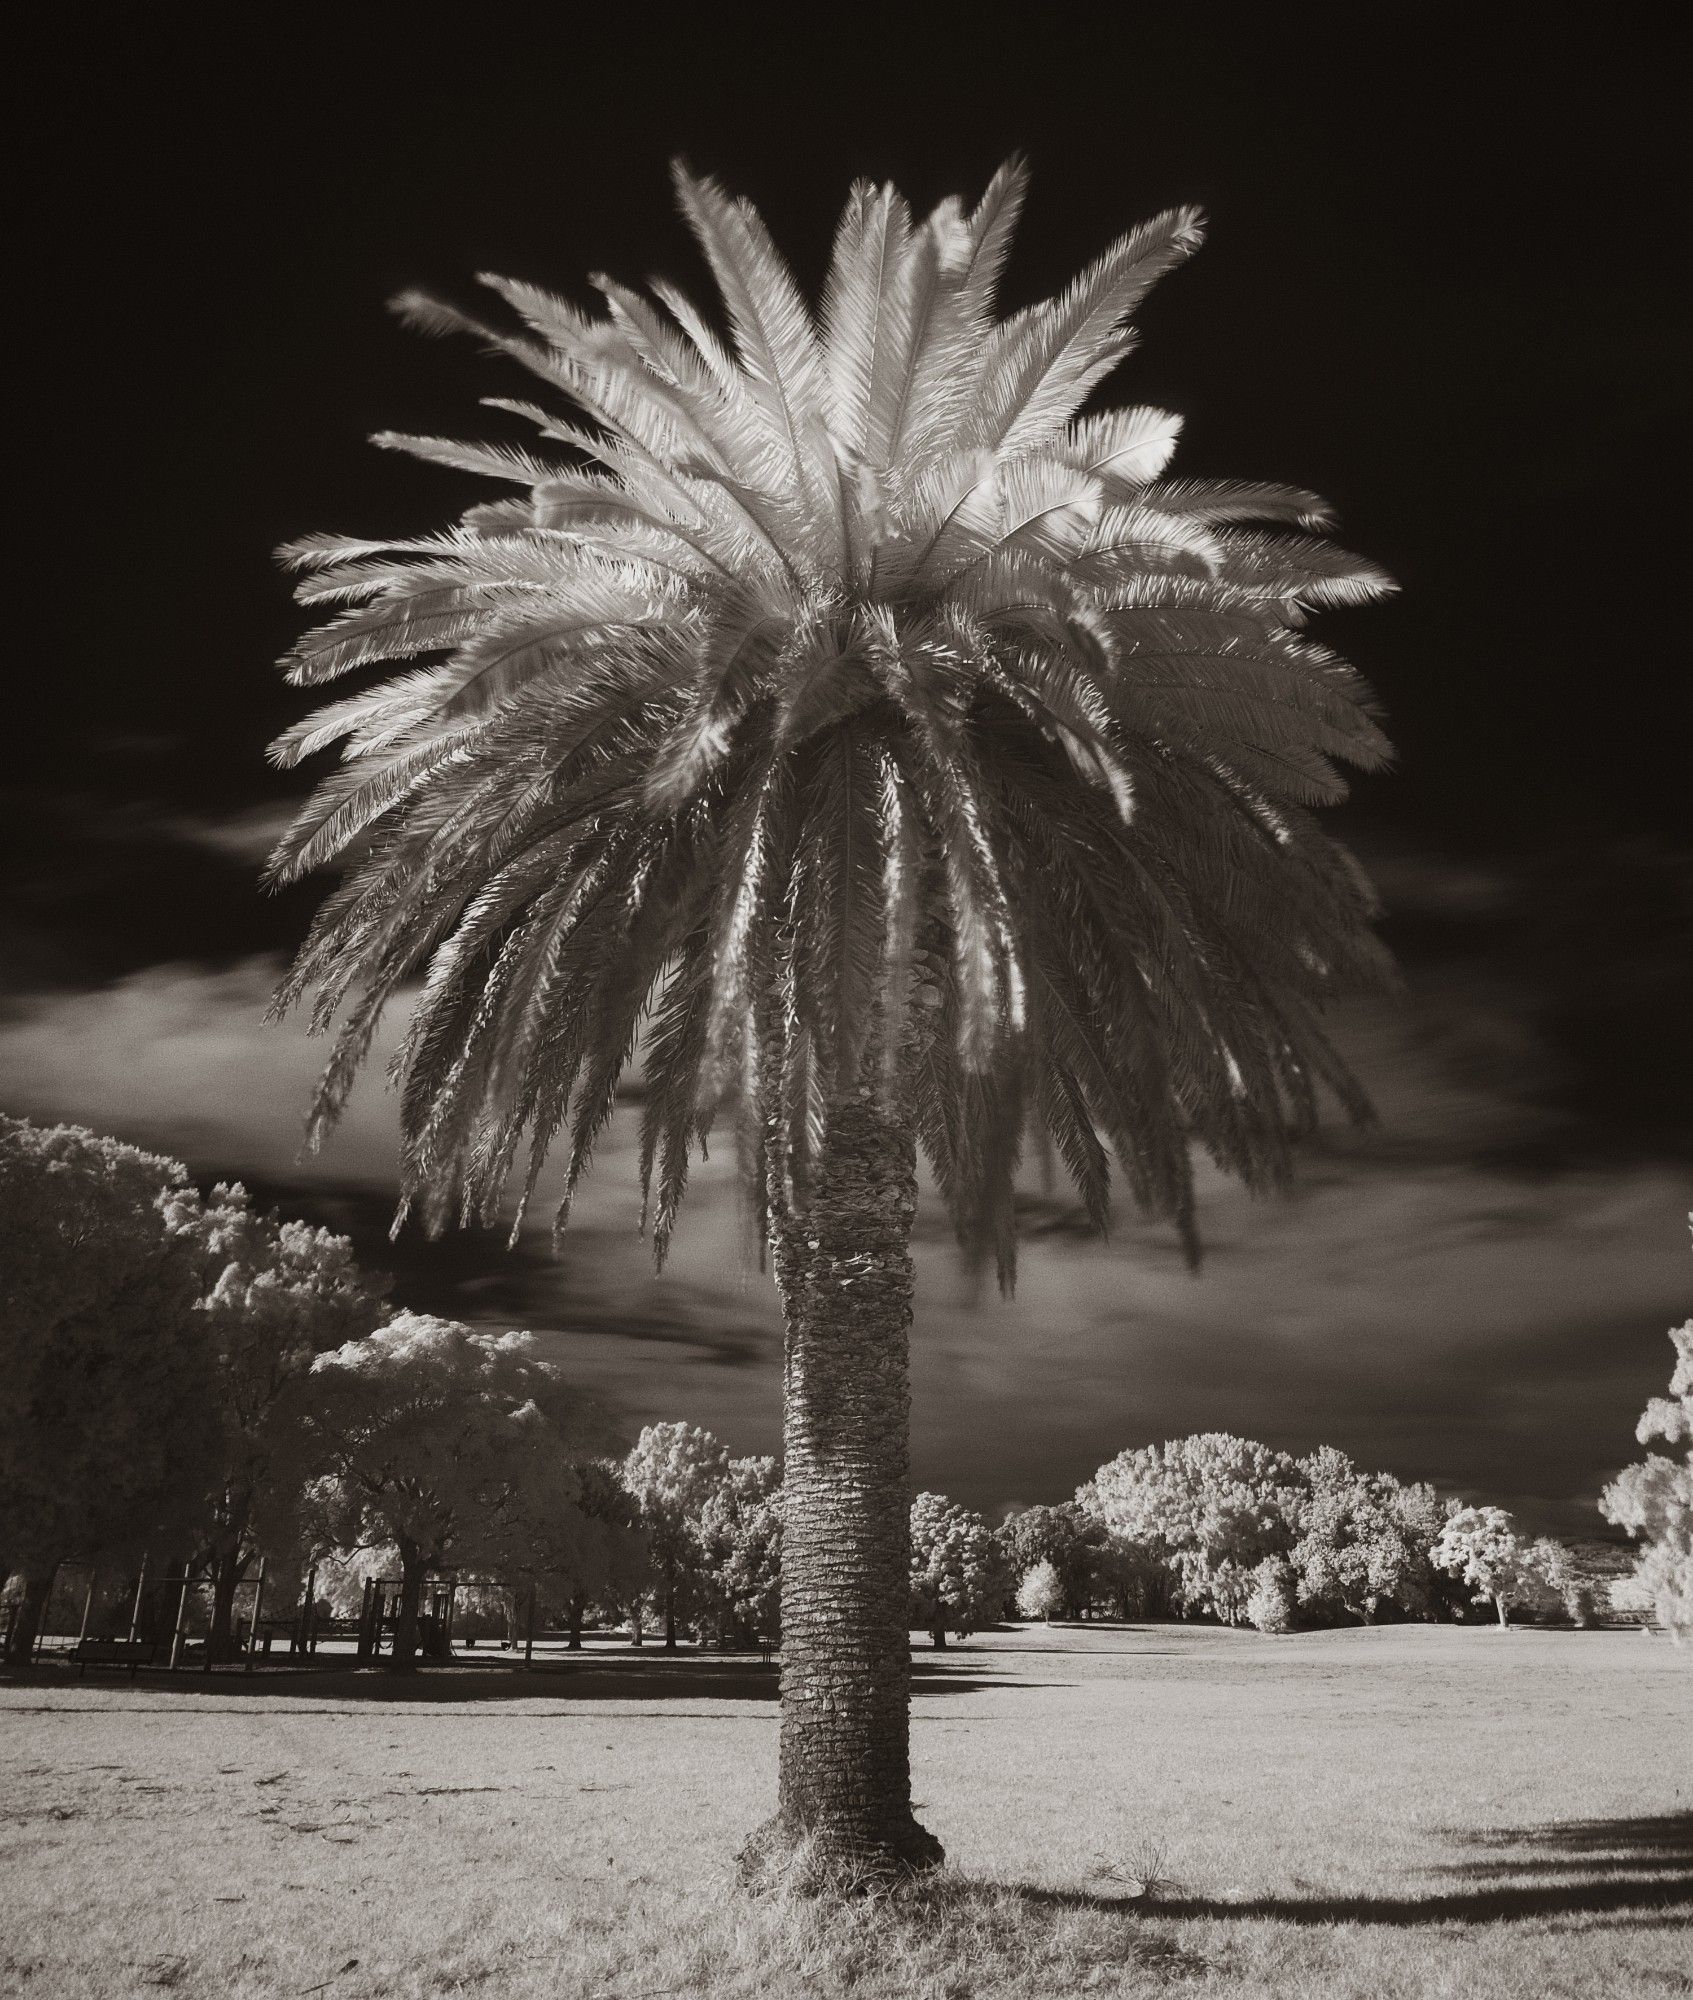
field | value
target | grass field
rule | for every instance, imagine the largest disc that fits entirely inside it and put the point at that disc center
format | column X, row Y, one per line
column 1153, row 1809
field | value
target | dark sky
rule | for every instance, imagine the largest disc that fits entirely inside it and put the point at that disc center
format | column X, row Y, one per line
column 1441, row 287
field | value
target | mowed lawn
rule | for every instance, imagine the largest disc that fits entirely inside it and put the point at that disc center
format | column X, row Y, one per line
column 1409, row 1811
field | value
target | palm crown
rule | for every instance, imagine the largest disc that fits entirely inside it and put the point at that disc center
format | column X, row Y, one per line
column 842, row 710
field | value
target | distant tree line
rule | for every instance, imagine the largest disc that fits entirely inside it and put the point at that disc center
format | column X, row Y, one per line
column 192, row 1386
column 1225, row 1528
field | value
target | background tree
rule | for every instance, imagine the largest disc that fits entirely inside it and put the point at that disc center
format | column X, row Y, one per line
column 430, row 1436
column 1065, row 1536
column 279, row 1293
column 673, row 1471
column 740, row 1536
column 1481, row 1546
column 1041, row 1593
column 1365, row 1541
column 1270, row 1601
column 106, row 1422
column 1132, row 1580
column 924, row 764
column 1654, row 1500
column 1560, row 1571
column 341, row 1571
column 1214, row 1504
column 564, row 1531
column 613, row 1561
column 1129, row 1574
column 959, row 1581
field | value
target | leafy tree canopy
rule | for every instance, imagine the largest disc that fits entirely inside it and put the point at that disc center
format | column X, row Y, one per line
column 1654, row 1499
column 278, row 1294
column 1481, row 1546
column 1041, row 1593
column 436, row 1437
column 959, row 1580
column 1069, row 1539
column 1215, row 1504
column 107, row 1422
column 1365, row 1539
column 741, row 1543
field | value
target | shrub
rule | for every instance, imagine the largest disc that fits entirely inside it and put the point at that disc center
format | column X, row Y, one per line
column 1041, row 1593
column 1269, row 1606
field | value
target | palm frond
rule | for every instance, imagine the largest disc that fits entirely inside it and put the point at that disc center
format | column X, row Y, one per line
column 833, row 706
column 1042, row 365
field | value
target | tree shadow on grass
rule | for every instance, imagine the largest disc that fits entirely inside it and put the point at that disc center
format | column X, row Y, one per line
column 688, row 1677
column 1621, row 1874
column 1569, row 1868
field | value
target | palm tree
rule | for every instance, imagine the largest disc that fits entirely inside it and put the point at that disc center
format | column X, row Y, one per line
column 897, row 759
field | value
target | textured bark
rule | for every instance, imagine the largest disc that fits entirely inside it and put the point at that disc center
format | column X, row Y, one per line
column 574, row 1644
column 304, row 1643
column 226, row 1580
column 403, row 1659
column 227, row 1563
column 845, row 1275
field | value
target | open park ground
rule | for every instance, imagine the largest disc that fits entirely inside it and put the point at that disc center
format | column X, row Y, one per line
column 1127, row 1810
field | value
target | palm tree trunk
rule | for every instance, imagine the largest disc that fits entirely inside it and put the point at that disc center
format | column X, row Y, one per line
column 845, row 1275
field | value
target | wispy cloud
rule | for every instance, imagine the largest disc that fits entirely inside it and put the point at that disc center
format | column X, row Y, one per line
column 1434, row 1298
column 246, row 836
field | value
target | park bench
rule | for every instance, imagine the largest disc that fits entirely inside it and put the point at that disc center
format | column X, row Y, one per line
column 131, row 1653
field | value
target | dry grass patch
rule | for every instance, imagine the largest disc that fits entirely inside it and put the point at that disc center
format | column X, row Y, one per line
column 942, row 1938
column 1428, row 1814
